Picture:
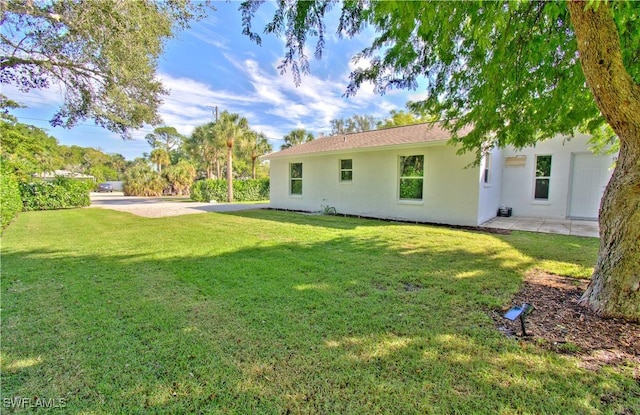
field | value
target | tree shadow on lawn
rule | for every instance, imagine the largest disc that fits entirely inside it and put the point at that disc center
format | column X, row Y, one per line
column 325, row 221
column 339, row 326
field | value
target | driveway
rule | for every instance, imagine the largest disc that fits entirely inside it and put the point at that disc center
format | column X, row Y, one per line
column 157, row 207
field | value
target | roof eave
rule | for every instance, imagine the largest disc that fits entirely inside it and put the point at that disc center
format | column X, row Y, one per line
column 430, row 143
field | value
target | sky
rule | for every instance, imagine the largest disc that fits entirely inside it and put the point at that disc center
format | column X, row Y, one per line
column 214, row 64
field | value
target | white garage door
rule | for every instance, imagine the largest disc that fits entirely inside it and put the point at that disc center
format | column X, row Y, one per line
column 589, row 176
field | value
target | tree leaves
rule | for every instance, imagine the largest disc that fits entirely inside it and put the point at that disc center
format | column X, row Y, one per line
column 102, row 54
column 509, row 69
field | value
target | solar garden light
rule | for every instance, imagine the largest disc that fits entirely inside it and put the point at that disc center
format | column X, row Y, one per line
column 521, row 312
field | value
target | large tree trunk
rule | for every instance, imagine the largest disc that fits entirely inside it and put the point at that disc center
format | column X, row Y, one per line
column 614, row 290
column 229, row 172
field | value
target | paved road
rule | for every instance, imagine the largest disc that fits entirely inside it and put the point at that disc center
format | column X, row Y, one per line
column 156, row 207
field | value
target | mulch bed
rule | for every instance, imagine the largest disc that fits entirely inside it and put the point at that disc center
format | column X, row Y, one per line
column 559, row 324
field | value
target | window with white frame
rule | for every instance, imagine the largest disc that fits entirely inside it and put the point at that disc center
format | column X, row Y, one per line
column 411, row 177
column 346, row 170
column 295, row 178
column 486, row 174
column 543, row 178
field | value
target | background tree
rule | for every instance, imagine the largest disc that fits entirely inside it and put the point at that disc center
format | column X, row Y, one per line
column 118, row 163
column 141, row 180
column 180, row 177
column 400, row 118
column 205, row 147
column 517, row 71
column 355, row 124
column 257, row 145
column 104, row 53
column 230, row 127
column 28, row 149
column 160, row 157
column 166, row 138
column 296, row 137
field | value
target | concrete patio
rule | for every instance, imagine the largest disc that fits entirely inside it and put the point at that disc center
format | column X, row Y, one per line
column 560, row 226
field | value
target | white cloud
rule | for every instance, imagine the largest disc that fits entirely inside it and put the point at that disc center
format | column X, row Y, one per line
column 52, row 97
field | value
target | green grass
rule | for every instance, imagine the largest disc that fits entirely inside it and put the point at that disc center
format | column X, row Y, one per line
column 275, row 312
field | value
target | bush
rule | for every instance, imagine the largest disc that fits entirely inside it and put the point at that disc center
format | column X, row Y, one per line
column 61, row 193
column 10, row 200
column 243, row 190
column 141, row 180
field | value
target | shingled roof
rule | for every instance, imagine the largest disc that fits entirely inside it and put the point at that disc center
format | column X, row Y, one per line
column 408, row 134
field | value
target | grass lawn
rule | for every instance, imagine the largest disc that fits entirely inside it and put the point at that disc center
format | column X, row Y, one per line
column 276, row 312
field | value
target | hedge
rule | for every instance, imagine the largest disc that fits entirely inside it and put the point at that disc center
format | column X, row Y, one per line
column 61, row 193
column 10, row 200
column 243, row 190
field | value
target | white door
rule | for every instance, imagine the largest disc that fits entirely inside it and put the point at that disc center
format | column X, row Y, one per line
column 589, row 176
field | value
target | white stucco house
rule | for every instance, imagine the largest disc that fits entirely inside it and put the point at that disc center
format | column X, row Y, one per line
column 410, row 173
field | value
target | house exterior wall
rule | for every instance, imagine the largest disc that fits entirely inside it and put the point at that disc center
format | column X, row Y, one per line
column 490, row 193
column 518, row 177
column 450, row 191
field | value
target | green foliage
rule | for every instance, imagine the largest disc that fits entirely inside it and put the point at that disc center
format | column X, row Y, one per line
column 10, row 200
column 141, row 180
column 60, row 193
column 166, row 138
column 508, row 69
column 180, row 177
column 411, row 189
column 207, row 150
column 355, row 124
column 296, row 137
column 28, row 149
column 103, row 52
column 244, row 190
column 400, row 118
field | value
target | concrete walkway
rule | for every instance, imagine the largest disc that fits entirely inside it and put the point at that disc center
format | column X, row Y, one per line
column 560, row 226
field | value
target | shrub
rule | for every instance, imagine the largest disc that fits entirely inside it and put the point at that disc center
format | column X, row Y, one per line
column 243, row 190
column 141, row 180
column 10, row 200
column 180, row 177
column 61, row 193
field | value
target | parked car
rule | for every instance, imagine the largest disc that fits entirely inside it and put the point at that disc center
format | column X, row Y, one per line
column 105, row 187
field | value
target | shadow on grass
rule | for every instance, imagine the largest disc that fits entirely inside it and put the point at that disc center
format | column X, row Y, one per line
column 364, row 325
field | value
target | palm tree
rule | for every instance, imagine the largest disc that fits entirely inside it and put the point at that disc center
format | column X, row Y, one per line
column 206, row 147
column 296, row 137
column 257, row 145
column 160, row 157
column 180, row 177
column 230, row 127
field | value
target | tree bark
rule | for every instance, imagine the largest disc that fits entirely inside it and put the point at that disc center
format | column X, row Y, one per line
column 253, row 167
column 229, row 172
column 614, row 290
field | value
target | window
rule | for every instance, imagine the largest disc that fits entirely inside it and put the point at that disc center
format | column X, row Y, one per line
column 346, row 170
column 486, row 175
column 295, row 178
column 411, row 177
column 543, row 175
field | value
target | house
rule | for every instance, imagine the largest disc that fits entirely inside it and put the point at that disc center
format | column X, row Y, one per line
column 52, row 175
column 411, row 173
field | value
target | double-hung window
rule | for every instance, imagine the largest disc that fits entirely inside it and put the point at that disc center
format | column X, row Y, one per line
column 346, row 170
column 295, row 178
column 411, row 177
column 543, row 178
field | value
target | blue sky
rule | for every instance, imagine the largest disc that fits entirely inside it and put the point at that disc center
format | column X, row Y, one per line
column 213, row 64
